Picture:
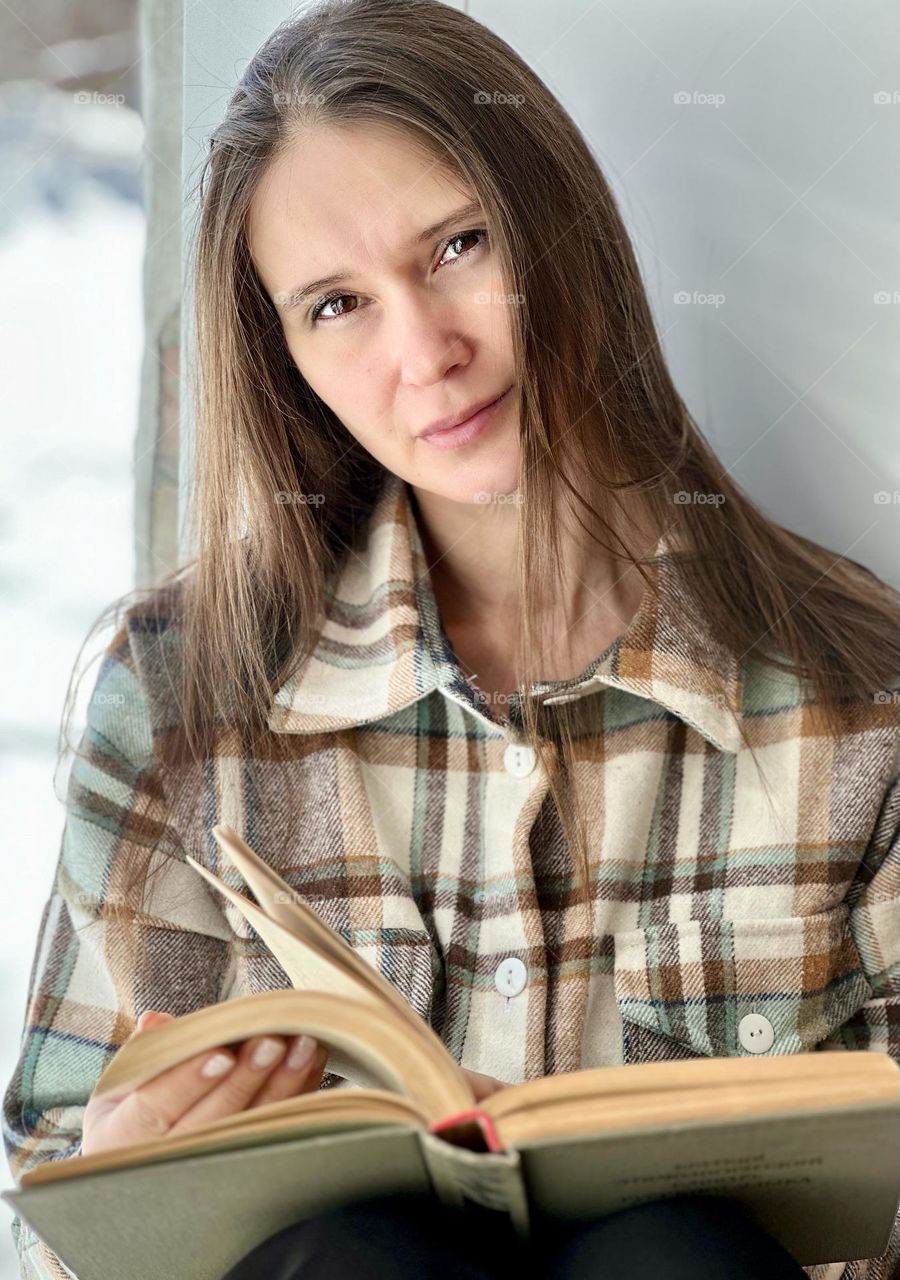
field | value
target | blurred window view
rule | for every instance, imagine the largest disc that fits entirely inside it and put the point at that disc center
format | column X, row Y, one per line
column 72, row 236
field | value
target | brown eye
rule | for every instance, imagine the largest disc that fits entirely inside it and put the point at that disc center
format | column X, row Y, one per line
column 478, row 234
column 326, row 302
column 459, row 238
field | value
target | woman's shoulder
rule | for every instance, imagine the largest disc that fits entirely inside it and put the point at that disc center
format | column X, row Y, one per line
column 852, row 736
column 156, row 616
column 140, row 667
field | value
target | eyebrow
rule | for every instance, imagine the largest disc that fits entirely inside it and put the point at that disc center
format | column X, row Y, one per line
column 293, row 298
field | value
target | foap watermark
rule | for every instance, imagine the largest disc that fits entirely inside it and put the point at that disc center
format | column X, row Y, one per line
column 101, row 699
column 886, row 297
column 490, row 699
column 501, row 299
column 287, row 498
column 295, row 98
column 112, row 898
column 886, row 97
column 886, row 696
column 695, row 298
column 96, row 99
column 685, row 498
column 484, row 497
column 694, row 98
column 884, row 499
column 497, row 99
column 316, row 701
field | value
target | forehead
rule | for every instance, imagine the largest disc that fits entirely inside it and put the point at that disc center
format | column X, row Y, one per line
column 347, row 196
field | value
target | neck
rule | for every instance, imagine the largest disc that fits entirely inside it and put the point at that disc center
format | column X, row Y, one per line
column 470, row 550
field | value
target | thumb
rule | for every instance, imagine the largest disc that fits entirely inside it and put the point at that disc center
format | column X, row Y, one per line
column 151, row 1018
column 107, row 1101
column 482, row 1085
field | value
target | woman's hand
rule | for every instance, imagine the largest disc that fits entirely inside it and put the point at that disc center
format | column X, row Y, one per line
column 483, row 1086
column 183, row 1096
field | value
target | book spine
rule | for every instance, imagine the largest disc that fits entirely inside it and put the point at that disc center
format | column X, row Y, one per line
column 472, row 1129
column 491, row 1180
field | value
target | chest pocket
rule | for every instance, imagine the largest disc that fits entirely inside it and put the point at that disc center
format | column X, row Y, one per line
column 684, row 989
column 407, row 958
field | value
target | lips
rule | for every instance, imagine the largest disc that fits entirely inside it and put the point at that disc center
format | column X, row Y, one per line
column 445, row 424
column 471, row 429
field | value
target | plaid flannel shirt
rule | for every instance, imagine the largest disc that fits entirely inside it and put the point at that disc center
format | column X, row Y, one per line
column 414, row 821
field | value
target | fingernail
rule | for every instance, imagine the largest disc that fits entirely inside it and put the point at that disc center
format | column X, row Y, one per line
column 301, row 1052
column 217, row 1065
column 267, row 1052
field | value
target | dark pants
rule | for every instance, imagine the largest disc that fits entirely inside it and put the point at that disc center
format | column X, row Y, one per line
column 400, row 1237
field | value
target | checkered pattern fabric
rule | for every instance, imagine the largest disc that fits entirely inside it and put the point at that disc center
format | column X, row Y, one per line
column 413, row 818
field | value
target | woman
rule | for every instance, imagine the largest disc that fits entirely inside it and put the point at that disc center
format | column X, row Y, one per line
column 593, row 759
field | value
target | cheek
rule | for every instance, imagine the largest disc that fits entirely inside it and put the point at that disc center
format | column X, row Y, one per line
column 496, row 321
column 328, row 376
column 351, row 391
column 358, row 394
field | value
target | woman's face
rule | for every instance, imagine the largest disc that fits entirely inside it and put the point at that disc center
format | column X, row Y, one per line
column 417, row 327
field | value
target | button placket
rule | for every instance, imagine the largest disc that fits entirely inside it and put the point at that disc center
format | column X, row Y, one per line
column 514, row 1002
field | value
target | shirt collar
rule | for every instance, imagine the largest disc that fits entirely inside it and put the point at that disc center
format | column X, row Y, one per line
column 383, row 647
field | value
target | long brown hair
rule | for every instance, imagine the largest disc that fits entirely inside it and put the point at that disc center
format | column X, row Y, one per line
column 602, row 424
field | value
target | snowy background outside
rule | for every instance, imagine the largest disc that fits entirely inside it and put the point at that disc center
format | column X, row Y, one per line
column 72, row 236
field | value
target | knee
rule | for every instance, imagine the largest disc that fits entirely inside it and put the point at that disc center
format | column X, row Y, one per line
column 687, row 1234
column 684, row 1218
column 373, row 1217
column 702, row 1211
column 396, row 1210
column 682, row 1214
column 346, row 1235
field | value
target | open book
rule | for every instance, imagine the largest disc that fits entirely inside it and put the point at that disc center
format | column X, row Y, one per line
column 810, row 1143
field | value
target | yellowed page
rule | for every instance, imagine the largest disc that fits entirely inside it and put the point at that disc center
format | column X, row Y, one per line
column 375, row 1042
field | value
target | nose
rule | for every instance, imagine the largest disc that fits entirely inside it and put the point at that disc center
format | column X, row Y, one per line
column 429, row 339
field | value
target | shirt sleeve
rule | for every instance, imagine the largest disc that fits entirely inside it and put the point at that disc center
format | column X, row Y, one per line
column 874, row 902
column 128, row 925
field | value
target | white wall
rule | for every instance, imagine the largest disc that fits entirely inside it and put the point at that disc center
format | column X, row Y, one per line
column 774, row 189
column 769, row 199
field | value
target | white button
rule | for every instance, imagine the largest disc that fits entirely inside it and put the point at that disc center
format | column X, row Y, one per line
column 519, row 760
column 756, row 1033
column 510, row 976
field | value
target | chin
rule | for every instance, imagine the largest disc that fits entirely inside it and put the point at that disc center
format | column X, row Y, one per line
column 483, row 495
column 479, row 485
